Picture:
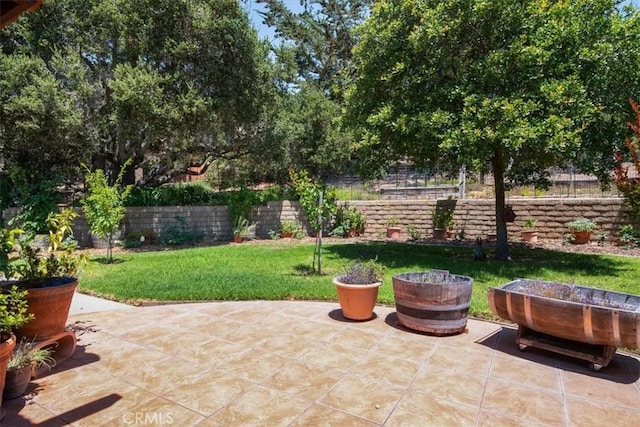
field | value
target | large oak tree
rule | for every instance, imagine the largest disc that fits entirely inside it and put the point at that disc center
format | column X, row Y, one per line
column 497, row 86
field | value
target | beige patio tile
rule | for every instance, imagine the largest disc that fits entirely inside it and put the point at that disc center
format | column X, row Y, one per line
column 37, row 415
column 247, row 335
column 178, row 343
column 525, row 372
column 422, row 409
column 354, row 337
column 158, row 412
column 161, row 376
column 458, row 359
column 398, row 372
column 586, row 413
column 213, row 352
column 261, row 406
column 506, row 419
column 316, row 330
column 368, row 398
column 254, row 365
column 531, row 404
column 209, row 392
column 303, row 380
column 333, row 356
column 590, row 386
column 288, row 345
column 405, row 345
column 323, row 416
column 451, row 386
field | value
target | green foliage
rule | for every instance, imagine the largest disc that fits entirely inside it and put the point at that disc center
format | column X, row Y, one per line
column 31, row 265
column 142, row 80
column 629, row 236
column 24, row 354
column 510, row 88
column 392, row 221
column 308, row 191
column 442, row 217
column 362, row 273
column 242, row 227
column 348, row 219
column 413, row 232
column 103, row 204
column 38, row 201
column 133, row 240
column 530, row 224
column 179, row 233
column 8, row 240
column 582, row 224
column 292, row 226
column 630, row 187
column 13, row 311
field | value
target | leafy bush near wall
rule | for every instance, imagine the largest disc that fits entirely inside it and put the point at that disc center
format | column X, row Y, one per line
column 201, row 194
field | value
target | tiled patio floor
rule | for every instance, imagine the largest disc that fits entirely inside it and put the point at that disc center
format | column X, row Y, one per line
column 300, row 363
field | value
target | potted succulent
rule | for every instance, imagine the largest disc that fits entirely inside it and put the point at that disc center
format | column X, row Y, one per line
column 529, row 233
column 357, row 289
column 49, row 280
column 13, row 315
column 581, row 230
column 393, row 231
column 442, row 218
column 26, row 359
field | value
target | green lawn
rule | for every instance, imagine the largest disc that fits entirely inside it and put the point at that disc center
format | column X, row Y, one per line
column 279, row 270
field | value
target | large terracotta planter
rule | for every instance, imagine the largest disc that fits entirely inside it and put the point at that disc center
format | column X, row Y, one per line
column 50, row 305
column 434, row 301
column 6, row 349
column 357, row 301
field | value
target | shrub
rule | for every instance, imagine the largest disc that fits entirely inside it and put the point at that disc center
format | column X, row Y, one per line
column 179, row 233
column 630, row 187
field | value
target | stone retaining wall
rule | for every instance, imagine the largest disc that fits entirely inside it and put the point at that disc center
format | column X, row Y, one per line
column 474, row 217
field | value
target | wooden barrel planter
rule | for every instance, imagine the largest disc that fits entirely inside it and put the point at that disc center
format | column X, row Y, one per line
column 434, row 301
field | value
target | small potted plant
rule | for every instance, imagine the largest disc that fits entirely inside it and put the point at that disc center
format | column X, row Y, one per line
column 26, row 359
column 13, row 315
column 358, row 289
column 581, row 230
column 393, row 231
column 529, row 232
column 241, row 229
column 442, row 218
column 290, row 228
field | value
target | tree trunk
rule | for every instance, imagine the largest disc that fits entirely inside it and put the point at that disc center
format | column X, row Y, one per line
column 502, row 243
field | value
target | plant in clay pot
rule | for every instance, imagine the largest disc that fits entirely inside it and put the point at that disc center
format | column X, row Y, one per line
column 49, row 280
column 581, row 230
column 442, row 218
column 26, row 359
column 393, row 231
column 13, row 315
column 529, row 233
column 291, row 228
column 358, row 289
column 242, row 229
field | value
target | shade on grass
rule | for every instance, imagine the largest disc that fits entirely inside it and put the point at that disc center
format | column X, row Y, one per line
column 279, row 270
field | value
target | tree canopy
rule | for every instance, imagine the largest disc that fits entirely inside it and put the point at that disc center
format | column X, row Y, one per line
column 157, row 79
column 495, row 85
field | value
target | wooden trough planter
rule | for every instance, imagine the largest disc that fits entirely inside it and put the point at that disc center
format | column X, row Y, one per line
column 582, row 322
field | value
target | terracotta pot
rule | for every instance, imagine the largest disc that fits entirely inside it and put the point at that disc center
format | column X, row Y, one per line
column 357, row 301
column 16, row 382
column 352, row 232
column 6, row 349
column 530, row 236
column 286, row 235
column 393, row 232
column 439, row 233
column 237, row 239
column 50, row 305
column 581, row 237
